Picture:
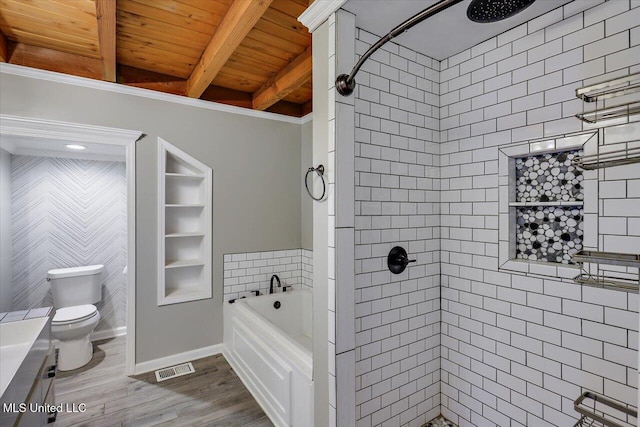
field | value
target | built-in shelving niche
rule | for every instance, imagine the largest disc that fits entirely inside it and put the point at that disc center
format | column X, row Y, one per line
column 184, row 224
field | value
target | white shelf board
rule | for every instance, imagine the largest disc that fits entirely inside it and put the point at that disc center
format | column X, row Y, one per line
column 184, row 263
column 184, row 176
column 184, row 206
column 556, row 203
column 196, row 234
column 177, row 295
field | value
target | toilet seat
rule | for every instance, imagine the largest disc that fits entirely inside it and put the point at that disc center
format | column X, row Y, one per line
column 74, row 314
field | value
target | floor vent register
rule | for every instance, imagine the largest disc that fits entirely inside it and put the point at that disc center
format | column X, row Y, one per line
column 174, row 371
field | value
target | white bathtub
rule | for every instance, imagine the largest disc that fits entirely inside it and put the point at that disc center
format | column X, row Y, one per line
column 270, row 350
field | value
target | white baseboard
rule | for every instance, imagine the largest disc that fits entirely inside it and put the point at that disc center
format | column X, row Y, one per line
column 100, row 335
column 174, row 359
column 109, row 333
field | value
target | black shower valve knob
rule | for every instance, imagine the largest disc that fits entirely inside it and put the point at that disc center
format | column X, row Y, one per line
column 406, row 261
column 398, row 260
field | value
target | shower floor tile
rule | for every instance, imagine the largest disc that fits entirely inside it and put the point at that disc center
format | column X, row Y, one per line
column 440, row 422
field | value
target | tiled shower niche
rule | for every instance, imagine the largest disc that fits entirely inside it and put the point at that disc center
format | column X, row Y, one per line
column 549, row 212
column 548, row 233
column 548, row 177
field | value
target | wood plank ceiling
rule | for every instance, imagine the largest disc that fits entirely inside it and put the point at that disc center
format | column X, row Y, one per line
column 248, row 53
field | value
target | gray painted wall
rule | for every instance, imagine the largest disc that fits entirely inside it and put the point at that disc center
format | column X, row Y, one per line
column 256, row 194
column 306, row 203
column 5, row 231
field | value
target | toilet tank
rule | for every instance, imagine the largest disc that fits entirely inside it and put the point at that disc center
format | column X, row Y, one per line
column 76, row 285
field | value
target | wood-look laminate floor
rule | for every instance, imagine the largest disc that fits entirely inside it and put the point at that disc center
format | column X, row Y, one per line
column 212, row 396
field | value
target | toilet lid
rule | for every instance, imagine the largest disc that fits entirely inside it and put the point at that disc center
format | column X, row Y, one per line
column 74, row 314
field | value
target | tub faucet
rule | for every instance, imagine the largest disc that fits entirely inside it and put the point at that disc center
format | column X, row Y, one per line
column 275, row 276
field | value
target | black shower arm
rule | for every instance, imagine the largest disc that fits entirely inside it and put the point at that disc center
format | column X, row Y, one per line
column 346, row 83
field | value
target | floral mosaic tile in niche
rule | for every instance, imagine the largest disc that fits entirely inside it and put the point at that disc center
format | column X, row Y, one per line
column 547, row 178
column 548, row 233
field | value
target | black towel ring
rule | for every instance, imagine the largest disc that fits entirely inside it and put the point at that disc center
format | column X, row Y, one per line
column 320, row 171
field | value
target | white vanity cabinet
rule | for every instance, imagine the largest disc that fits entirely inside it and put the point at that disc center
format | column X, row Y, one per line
column 41, row 396
column 29, row 367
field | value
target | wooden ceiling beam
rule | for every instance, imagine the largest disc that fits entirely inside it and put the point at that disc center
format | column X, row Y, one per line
column 236, row 24
column 228, row 96
column 307, row 108
column 291, row 77
column 4, row 48
column 106, row 16
column 138, row 77
column 287, row 108
column 178, row 87
column 128, row 74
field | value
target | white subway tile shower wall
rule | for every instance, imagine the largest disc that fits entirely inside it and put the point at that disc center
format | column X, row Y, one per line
column 396, row 193
column 306, row 268
column 517, row 349
column 246, row 272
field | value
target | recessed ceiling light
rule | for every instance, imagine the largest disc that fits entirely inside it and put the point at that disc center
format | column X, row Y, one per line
column 75, row 147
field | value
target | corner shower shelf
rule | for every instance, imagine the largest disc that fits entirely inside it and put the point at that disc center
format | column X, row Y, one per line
column 595, row 414
column 607, row 258
column 606, row 282
column 610, row 258
column 610, row 89
column 184, row 227
column 622, row 157
column 610, row 113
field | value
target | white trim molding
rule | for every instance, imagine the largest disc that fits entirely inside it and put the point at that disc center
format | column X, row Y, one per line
column 174, row 359
column 77, row 132
column 130, row 351
column 100, row 335
column 588, row 141
column 306, row 118
column 51, row 76
column 109, row 333
column 20, row 151
column 318, row 12
column 64, row 131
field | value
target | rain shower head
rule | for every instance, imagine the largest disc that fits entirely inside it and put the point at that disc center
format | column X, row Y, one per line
column 478, row 11
column 485, row 11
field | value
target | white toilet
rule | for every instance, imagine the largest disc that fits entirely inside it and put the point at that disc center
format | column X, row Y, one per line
column 75, row 290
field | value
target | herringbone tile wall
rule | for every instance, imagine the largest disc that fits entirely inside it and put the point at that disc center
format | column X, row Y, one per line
column 67, row 213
